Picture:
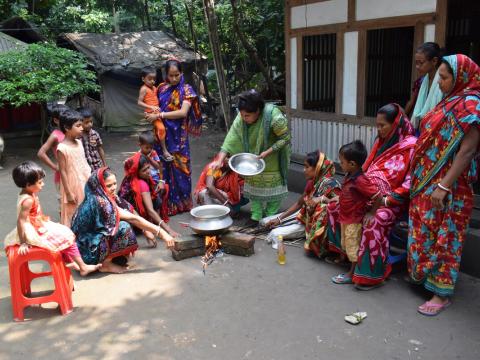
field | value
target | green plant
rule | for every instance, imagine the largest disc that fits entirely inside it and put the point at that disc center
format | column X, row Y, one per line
column 42, row 73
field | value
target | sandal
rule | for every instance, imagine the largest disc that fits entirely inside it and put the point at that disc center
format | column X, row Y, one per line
column 432, row 309
column 355, row 318
column 342, row 279
column 368, row 287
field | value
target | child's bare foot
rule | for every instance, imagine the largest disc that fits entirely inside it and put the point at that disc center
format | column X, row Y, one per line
column 87, row 269
column 109, row 267
column 167, row 156
column 73, row 266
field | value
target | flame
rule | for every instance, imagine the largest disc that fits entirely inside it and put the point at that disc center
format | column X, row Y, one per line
column 212, row 246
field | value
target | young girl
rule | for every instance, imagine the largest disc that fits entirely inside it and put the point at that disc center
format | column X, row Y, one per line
column 34, row 228
column 74, row 168
column 55, row 138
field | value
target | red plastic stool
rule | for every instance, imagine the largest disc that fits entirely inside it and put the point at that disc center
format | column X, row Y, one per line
column 21, row 277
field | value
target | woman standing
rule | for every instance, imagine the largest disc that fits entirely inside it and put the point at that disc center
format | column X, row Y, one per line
column 103, row 228
column 442, row 173
column 180, row 112
column 262, row 130
column 426, row 93
column 388, row 167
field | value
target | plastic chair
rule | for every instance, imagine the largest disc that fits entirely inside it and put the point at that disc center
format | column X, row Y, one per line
column 21, row 278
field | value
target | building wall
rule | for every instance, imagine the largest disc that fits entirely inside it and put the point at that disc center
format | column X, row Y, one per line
column 350, row 20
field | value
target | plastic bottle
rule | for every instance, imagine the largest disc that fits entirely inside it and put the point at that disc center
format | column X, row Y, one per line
column 281, row 254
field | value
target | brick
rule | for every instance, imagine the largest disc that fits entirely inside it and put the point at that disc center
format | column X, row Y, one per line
column 237, row 250
column 187, row 242
column 237, row 239
column 186, row 254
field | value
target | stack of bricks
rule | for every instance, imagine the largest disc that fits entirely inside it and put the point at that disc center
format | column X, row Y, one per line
column 234, row 243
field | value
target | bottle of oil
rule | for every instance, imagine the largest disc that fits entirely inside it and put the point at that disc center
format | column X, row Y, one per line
column 281, row 254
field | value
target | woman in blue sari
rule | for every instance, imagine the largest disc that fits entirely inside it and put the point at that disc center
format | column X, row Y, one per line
column 102, row 224
column 180, row 112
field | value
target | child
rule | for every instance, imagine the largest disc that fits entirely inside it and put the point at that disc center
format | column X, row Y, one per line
column 148, row 99
column 34, row 228
column 145, row 142
column 357, row 192
column 91, row 140
column 55, row 138
column 74, row 169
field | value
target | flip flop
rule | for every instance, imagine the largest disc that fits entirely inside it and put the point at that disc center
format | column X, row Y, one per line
column 342, row 279
column 368, row 287
column 432, row 309
column 355, row 318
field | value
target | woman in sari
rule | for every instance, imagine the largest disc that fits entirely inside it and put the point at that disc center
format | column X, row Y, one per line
column 387, row 166
column 443, row 170
column 261, row 129
column 138, row 188
column 103, row 228
column 180, row 112
column 311, row 207
column 426, row 93
column 220, row 186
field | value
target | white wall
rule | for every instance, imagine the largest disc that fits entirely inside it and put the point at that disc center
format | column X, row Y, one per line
column 350, row 63
column 429, row 33
column 293, row 73
column 321, row 13
column 374, row 9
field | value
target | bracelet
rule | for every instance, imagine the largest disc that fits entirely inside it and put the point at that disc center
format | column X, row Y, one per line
column 444, row 188
column 161, row 115
column 385, row 201
column 279, row 220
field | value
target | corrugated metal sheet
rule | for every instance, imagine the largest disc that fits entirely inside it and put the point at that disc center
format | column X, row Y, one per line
column 309, row 135
column 8, row 43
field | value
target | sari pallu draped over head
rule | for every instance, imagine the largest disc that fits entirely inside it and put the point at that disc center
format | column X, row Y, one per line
column 444, row 128
column 96, row 218
column 388, row 163
column 315, row 220
column 130, row 189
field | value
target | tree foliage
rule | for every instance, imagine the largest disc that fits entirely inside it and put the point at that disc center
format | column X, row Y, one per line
column 42, row 73
column 261, row 21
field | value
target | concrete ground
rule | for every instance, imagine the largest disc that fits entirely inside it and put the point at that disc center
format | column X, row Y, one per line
column 243, row 308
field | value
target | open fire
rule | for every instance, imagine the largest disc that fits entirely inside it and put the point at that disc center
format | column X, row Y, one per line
column 212, row 248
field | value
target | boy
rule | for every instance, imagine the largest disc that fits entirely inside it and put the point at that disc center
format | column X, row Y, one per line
column 148, row 99
column 145, row 142
column 357, row 192
column 91, row 140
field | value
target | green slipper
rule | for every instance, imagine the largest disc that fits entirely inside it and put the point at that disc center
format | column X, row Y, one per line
column 342, row 279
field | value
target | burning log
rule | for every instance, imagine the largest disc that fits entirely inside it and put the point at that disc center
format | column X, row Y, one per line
column 212, row 248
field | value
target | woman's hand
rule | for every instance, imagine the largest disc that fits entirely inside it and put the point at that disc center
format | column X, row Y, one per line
column 272, row 223
column 438, row 198
column 217, row 164
column 264, row 154
column 23, row 249
column 151, row 117
column 160, row 187
column 169, row 242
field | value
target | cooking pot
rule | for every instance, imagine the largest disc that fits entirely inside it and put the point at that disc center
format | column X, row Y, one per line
column 210, row 219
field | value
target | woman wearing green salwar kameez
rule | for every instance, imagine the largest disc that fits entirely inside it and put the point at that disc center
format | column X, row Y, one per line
column 260, row 129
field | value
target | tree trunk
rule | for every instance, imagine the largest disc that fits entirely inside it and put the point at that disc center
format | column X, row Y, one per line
column 209, row 9
column 251, row 49
column 115, row 19
column 147, row 14
column 172, row 19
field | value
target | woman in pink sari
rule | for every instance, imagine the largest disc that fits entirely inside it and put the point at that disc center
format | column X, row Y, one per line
column 388, row 167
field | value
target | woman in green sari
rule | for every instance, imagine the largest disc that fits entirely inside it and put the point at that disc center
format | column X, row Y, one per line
column 260, row 129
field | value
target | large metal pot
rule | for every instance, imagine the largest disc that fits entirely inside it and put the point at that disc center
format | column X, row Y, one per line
column 210, row 219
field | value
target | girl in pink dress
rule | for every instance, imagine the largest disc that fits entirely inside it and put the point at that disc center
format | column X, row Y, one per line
column 74, row 168
column 34, row 228
column 55, row 138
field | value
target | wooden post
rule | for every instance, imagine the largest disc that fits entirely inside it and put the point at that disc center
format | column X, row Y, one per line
column 209, row 9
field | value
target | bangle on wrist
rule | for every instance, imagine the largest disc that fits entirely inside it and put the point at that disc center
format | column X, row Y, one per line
column 444, row 188
column 279, row 219
column 385, row 201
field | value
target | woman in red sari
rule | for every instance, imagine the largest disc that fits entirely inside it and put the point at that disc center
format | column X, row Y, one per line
column 442, row 173
column 387, row 166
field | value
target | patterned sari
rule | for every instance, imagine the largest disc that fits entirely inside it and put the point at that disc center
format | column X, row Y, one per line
column 436, row 236
column 388, row 167
column 100, row 233
column 315, row 220
column 177, row 173
column 130, row 190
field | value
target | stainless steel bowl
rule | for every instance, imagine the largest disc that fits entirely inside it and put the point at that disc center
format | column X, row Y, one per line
column 210, row 219
column 246, row 164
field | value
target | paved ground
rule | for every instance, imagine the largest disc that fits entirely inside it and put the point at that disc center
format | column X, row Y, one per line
column 244, row 308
